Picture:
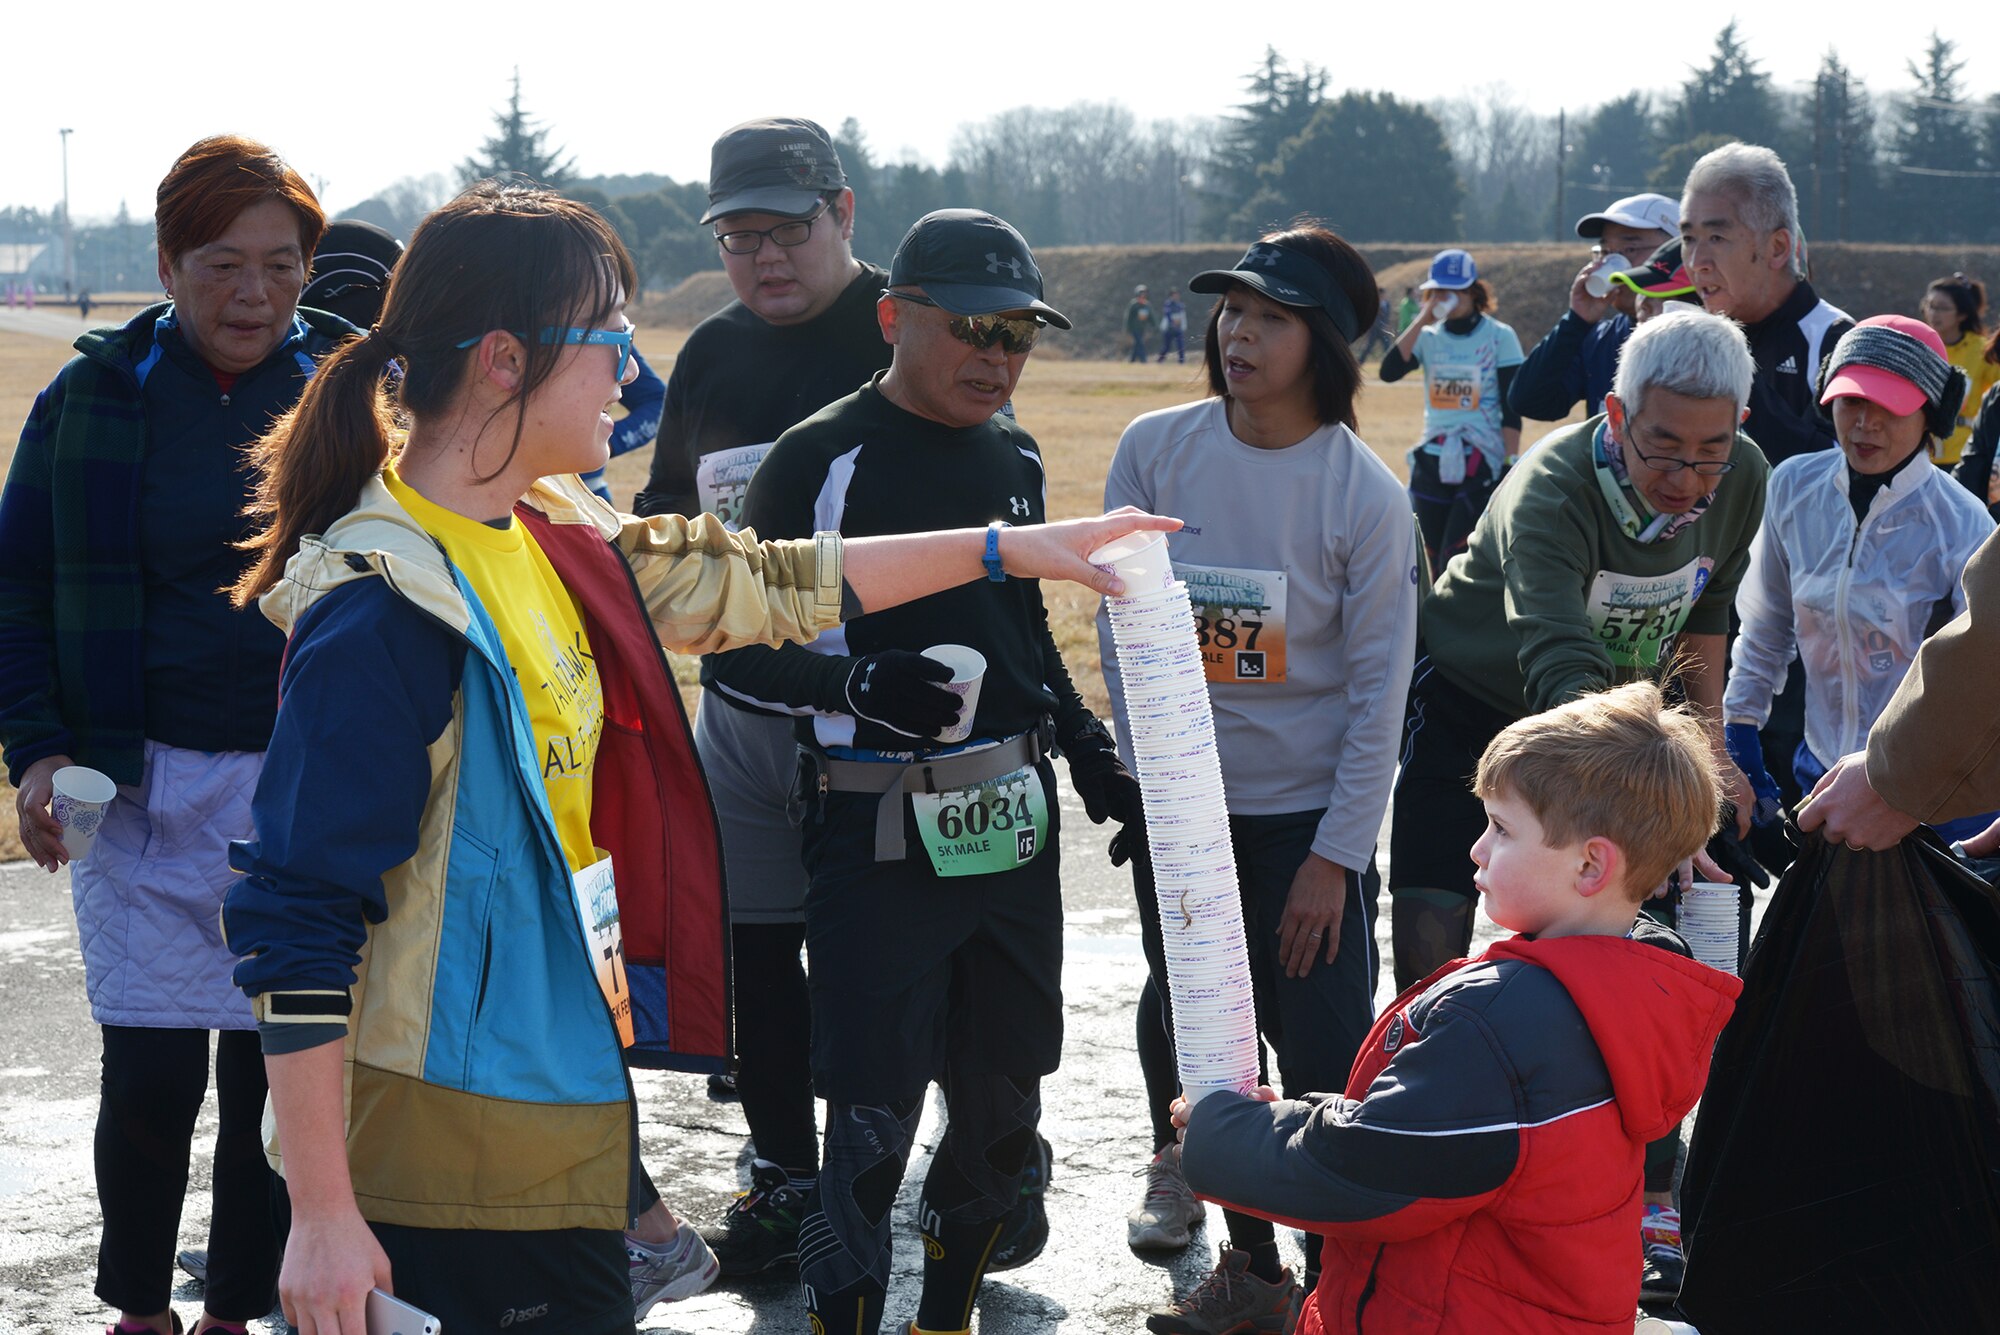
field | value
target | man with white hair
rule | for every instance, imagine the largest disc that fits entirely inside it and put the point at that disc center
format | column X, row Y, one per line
column 1610, row 552
column 1742, row 245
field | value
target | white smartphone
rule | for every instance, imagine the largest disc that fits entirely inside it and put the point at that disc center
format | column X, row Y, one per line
column 392, row 1316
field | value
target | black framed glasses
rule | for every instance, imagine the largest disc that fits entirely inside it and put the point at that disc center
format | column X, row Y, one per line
column 750, row 240
column 1014, row 333
column 1667, row 463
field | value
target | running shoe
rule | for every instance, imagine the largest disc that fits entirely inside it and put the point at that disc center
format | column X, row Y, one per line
column 677, row 1269
column 1231, row 1301
column 1025, row 1231
column 1162, row 1220
column 722, row 1087
column 761, row 1229
column 1665, row 1262
column 194, row 1260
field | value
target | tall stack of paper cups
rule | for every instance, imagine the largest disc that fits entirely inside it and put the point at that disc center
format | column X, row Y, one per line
column 1172, row 736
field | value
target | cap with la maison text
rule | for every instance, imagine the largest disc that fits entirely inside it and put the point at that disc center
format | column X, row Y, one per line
column 971, row 263
column 781, row 165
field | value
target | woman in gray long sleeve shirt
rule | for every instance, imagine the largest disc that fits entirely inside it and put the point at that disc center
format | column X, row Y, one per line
column 1300, row 556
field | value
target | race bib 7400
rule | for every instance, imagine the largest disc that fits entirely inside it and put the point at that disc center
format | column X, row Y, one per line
column 1239, row 617
column 994, row 825
column 721, row 478
column 1638, row 616
column 1454, row 387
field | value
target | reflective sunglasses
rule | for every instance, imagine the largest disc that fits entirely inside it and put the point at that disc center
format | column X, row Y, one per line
column 750, row 240
column 1014, row 333
column 618, row 338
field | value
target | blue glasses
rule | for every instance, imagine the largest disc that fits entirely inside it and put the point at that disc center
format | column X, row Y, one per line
column 617, row 338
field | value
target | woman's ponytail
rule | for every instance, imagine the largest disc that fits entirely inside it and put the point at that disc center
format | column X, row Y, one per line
column 315, row 459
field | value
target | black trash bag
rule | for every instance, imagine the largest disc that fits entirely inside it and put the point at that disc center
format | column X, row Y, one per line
column 1844, row 1172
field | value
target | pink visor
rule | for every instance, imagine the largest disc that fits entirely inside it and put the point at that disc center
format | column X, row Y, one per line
column 1876, row 385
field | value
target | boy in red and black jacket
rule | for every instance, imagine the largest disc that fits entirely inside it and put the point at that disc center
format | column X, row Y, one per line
column 1482, row 1170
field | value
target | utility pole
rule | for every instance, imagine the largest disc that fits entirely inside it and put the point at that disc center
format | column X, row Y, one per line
column 1562, row 156
column 1819, row 152
column 69, row 229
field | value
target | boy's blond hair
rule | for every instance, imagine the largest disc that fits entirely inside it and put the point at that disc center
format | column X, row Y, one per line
column 1621, row 765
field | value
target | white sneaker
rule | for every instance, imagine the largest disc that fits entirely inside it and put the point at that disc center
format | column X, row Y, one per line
column 680, row 1269
column 1169, row 1210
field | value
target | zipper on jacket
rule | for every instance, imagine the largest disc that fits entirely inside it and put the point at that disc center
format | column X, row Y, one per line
column 1368, row 1289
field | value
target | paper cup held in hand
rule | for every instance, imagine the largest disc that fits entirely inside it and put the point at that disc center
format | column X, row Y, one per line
column 81, row 795
column 968, row 670
column 1140, row 559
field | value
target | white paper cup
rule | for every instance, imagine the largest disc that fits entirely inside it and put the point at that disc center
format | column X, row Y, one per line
column 1140, row 559
column 81, row 795
column 1708, row 922
column 968, row 670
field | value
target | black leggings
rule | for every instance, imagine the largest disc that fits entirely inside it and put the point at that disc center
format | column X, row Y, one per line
column 153, row 1084
column 774, row 1044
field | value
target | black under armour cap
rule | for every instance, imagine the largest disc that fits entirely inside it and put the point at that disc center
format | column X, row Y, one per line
column 1286, row 276
column 781, row 165
column 971, row 263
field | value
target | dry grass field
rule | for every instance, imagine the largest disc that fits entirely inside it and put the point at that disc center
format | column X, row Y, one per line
column 1075, row 408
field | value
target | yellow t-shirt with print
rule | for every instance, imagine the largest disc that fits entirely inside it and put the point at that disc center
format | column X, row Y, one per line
column 541, row 631
column 1969, row 353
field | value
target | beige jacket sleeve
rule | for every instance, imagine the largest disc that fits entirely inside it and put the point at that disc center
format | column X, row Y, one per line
column 1935, row 752
column 708, row 589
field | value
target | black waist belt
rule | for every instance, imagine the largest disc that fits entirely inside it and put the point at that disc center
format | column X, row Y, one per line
column 933, row 775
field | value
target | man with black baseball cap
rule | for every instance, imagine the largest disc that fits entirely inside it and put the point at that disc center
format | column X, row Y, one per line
column 1577, row 359
column 934, row 917
column 800, row 334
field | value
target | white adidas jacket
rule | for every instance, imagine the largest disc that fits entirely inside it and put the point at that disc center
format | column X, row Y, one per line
column 1852, row 599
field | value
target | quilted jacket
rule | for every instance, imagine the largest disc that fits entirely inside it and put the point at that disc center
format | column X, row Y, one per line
column 1482, row 1171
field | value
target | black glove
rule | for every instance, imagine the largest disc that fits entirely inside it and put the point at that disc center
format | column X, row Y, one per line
column 900, row 691
column 1129, row 844
column 1101, row 779
column 1730, row 854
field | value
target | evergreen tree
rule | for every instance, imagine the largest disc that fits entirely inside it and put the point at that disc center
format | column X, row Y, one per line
column 517, row 148
column 1732, row 97
column 1839, row 171
column 1376, row 168
column 1281, row 102
column 1611, row 153
column 1935, row 140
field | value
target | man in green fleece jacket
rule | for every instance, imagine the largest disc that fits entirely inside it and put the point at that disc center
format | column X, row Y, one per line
column 1611, row 551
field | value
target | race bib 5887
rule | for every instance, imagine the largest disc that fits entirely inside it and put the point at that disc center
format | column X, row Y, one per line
column 721, row 478
column 1239, row 617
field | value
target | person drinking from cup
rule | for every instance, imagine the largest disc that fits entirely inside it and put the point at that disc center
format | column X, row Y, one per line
column 934, row 912
column 1575, row 361
column 1860, row 558
column 1611, row 552
column 119, row 529
column 1468, row 360
column 1303, row 578
column 485, row 876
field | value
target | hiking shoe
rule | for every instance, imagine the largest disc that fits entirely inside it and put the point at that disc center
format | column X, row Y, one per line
column 1231, row 1301
column 194, row 1260
column 761, row 1229
column 678, row 1269
column 1025, row 1231
column 1169, row 1210
column 1665, row 1262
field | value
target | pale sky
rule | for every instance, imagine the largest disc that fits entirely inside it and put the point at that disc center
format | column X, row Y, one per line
column 646, row 87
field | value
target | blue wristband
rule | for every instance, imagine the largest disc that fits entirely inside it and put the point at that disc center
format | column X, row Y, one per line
column 992, row 558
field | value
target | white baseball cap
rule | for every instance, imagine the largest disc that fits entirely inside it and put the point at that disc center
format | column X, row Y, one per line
column 1645, row 212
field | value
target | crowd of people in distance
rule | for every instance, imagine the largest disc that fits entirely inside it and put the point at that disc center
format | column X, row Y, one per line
column 400, row 763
